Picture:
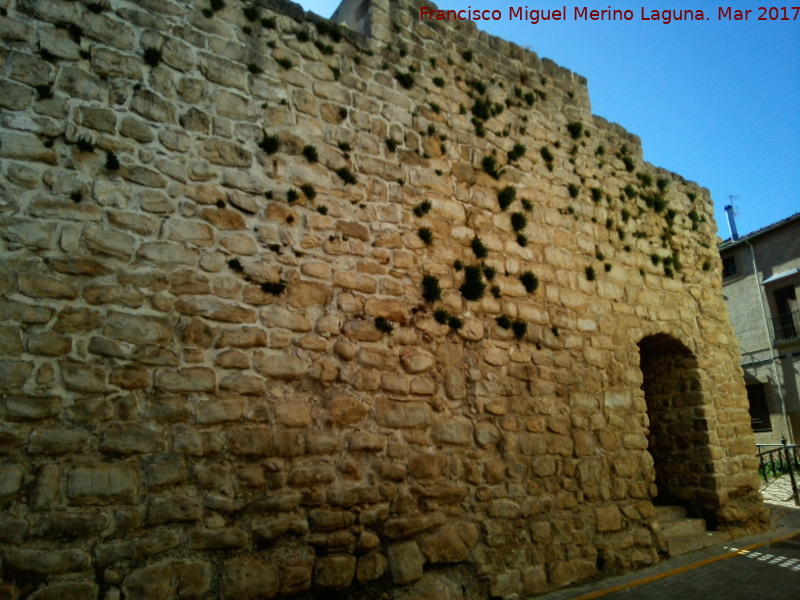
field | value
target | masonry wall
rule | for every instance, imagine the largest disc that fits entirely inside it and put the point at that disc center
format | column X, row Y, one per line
column 234, row 368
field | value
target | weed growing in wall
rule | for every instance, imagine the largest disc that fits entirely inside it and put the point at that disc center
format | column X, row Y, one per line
column 426, row 235
column 308, row 191
column 516, row 153
column 275, row 288
column 112, row 162
column 520, row 328
column 84, row 144
column 575, row 129
column 441, row 316
column 455, row 323
column 346, row 175
column 269, row 144
column 431, row 290
column 152, row 56
column 518, row 221
column 473, row 287
column 423, row 208
column 529, row 281
column 547, row 156
column 405, row 79
column 574, row 190
column 489, row 164
column 506, row 196
column 383, row 324
column 479, row 248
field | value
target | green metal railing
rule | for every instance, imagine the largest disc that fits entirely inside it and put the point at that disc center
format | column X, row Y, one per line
column 777, row 460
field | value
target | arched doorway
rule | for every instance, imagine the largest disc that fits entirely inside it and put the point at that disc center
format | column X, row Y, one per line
column 679, row 436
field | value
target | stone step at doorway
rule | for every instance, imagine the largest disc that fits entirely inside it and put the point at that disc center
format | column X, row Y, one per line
column 684, row 534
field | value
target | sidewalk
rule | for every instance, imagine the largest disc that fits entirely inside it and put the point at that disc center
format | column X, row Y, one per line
column 759, row 567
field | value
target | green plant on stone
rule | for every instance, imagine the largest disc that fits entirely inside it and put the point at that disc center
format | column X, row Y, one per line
column 479, row 248
column 308, row 191
column 506, row 196
column 405, row 79
column 575, row 129
column 517, row 152
column 597, row 194
column 482, row 109
column 520, row 328
column 426, row 235
column 590, row 273
column 391, row 144
column 467, row 55
column 323, row 210
column 455, row 323
column 275, row 288
column 423, row 208
column 269, row 144
column 431, row 290
column 529, row 281
column 489, row 272
column 152, row 56
column 527, row 205
column 473, row 287
column 574, row 190
column 346, row 175
column 458, row 265
column 503, row 322
column 383, row 324
column 496, row 292
column 522, row 239
column 489, row 164
column 441, row 316
column 629, row 164
column 530, row 98
column 518, row 221
column 112, row 162
column 250, row 13
column 84, row 144
column 292, row 196
column 324, row 48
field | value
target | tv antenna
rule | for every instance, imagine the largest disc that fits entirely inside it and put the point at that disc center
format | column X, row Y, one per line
column 731, row 198
column 730, row 213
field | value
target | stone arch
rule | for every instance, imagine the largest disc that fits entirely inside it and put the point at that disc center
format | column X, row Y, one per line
column 678, row 438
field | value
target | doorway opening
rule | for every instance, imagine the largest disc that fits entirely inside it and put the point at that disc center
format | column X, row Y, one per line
column 679, row 430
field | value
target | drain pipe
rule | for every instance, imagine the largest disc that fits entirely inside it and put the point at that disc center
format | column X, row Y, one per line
column 773, row 358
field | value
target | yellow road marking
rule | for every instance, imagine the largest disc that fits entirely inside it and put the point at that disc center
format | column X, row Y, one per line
column 683, row 569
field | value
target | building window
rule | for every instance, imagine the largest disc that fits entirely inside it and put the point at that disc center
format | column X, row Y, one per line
column 759, row 411
column 787, row 320
column 728, row 266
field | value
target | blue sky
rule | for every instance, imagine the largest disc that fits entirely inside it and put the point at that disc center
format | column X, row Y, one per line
column 716, row 101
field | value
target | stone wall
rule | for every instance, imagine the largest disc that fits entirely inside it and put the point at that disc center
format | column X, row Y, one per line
column 285, row 309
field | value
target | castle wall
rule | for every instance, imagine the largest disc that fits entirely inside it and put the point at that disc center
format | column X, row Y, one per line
column 266, row 329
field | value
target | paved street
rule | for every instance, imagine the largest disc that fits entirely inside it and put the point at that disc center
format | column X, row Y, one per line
column 761, row 567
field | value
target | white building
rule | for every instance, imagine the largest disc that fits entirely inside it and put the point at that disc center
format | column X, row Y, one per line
column 761, row 279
